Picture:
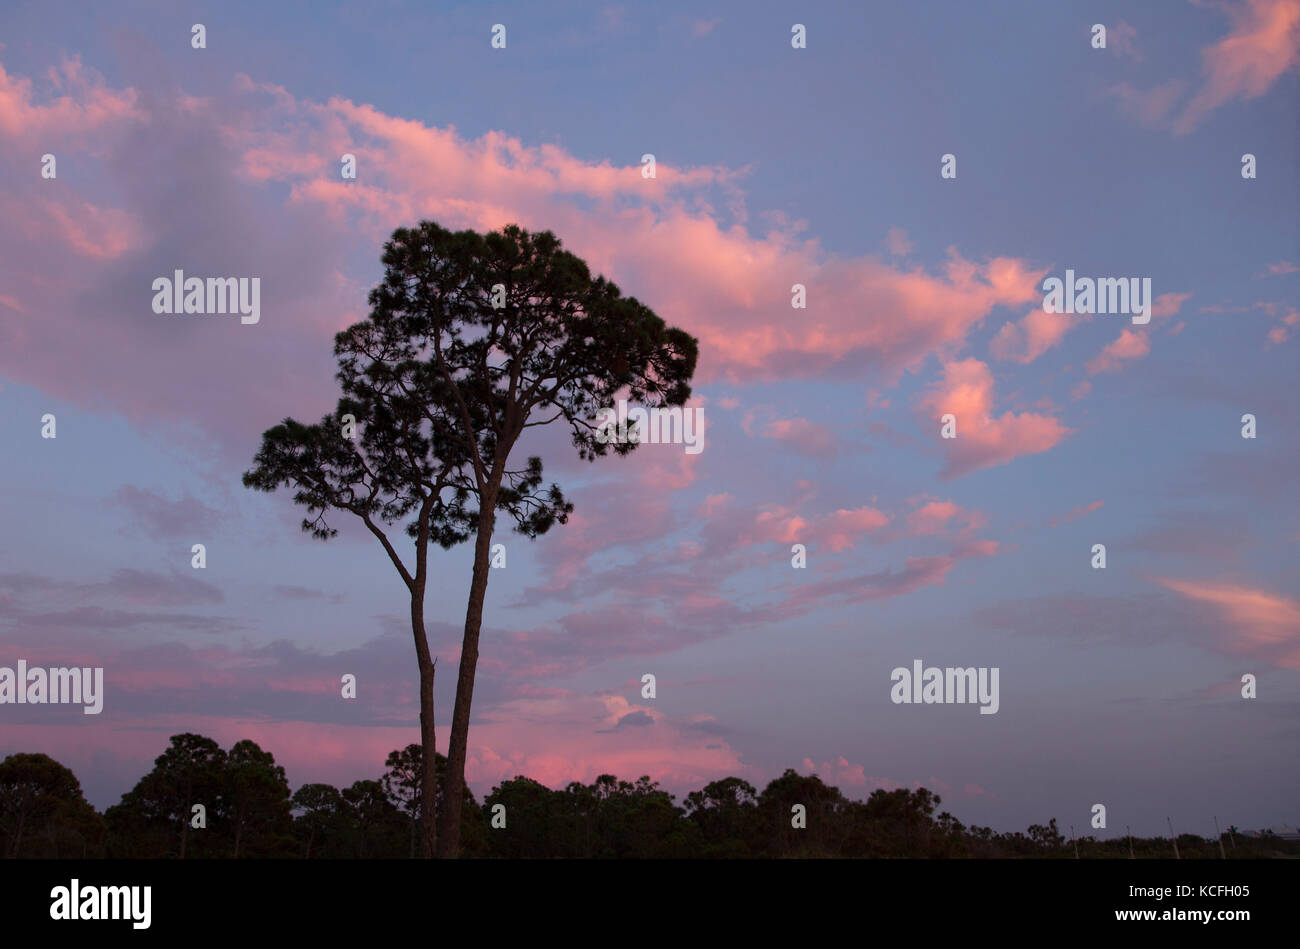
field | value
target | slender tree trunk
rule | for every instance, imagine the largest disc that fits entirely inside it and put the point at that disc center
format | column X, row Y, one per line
column 428, row 741
column 456, row 749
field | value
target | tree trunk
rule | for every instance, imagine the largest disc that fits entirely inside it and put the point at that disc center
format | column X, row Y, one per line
column 428, row 741
column 456, row 749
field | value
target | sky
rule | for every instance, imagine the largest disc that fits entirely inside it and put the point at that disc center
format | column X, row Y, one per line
column 775, row 166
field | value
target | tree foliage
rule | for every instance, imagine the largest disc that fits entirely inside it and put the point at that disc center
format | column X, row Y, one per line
column 607, row 819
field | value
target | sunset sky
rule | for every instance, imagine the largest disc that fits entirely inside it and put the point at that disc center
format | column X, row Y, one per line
column 775, row 166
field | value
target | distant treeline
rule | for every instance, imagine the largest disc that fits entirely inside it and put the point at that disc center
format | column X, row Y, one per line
column 248, row 812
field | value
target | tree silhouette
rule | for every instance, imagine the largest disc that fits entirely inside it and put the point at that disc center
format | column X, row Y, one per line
column 158, row 808
column 322, row 815
column 43, row 814
column 377, row 825
column 402, row 782
column 403, row 786
column 383, row 458
column 902, row 817
column 471, row 340
column 824, row 807
column 1049, row 838
column 540, row 823
column 726, row 812
column 42, row 810
column 254, row 800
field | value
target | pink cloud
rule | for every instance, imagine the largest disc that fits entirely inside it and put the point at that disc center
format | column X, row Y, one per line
column 644, row 517
column 843, row 774
column 1168, row 304
column 839, row 531
column 1036, row 333
column 1279, row 334
column 1129, row 345
column 1151, row 107
column 1134, row 344
column 983, row 440
column 897, row 242
column 1260, row 625
column 712, row 505
column 1122, row 38
column 730, row 287
column 1076, row 513
column 565, row 738
column 807, row 437
column 102, row 233
column 85, row 106
column 265, row 164
column 936, row 516
column 1264, row 43
column 726, row 284
column 965, row 549
column 917, row 573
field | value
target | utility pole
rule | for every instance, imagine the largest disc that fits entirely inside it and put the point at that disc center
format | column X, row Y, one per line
column 1129, row 831
column 1074, row 841
column 1173, row 837
column 1219, row 834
